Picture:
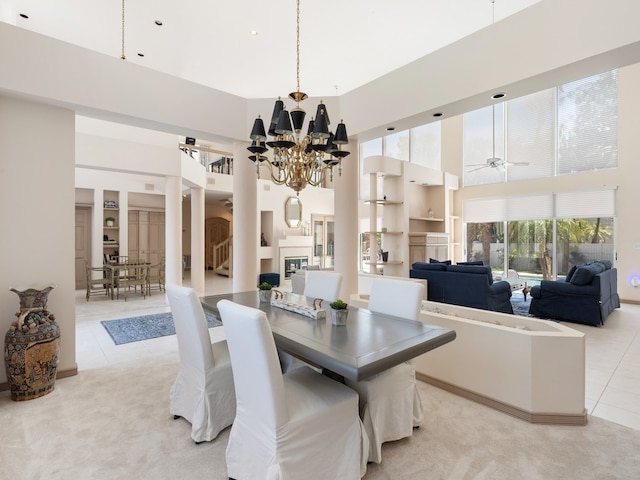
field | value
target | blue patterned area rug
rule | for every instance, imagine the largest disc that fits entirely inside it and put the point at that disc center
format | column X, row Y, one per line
column 134, row 329
column 520, row 306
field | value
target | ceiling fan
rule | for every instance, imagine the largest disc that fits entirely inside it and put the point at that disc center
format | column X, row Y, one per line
column 494, row 162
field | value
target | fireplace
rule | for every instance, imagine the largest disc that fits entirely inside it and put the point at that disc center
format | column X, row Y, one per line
column 291, row 264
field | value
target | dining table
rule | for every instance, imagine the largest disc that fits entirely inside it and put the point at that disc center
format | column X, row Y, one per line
column 121, row 270
column 368, row 344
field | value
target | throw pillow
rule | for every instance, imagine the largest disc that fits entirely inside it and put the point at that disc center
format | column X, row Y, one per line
column 474, row 262
column 444, row 262
column 585, row 273
column 428, row 266
column 570, row 273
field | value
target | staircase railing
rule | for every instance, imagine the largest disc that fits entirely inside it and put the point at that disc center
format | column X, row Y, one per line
column 223, row 254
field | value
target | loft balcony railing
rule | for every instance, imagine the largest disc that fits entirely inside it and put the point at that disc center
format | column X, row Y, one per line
column 214, row 160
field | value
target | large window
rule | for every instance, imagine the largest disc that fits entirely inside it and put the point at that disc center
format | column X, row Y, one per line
column 564, row 229
column 588, row 124
column 420, row 145
column 568, row 129
column 426, row 145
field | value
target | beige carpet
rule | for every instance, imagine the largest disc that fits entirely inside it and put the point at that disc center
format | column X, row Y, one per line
column 113, row 423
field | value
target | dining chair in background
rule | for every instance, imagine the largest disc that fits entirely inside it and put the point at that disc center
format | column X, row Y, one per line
column 132, row 275
column 156, row 277
column 203, row 392
column 99, row 280
column 296, row 425
column 390, row 404
column 317, row 284
column 322, row 284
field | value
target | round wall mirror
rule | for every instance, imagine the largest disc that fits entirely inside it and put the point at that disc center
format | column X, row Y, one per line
column 293, row 212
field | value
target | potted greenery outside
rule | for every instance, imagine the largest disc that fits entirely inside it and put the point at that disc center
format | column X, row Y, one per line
column 339, row 312
column 264, row 290
column 110, row 221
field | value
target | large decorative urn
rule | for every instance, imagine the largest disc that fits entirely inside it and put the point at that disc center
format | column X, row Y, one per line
column 32, row 346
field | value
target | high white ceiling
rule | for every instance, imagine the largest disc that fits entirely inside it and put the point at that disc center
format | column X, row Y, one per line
column 344, row 43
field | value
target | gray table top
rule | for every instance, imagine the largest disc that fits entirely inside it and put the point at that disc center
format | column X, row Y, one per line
column 369, row 344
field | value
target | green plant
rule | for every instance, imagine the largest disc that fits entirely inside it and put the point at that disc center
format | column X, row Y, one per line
column 338, row 305
column 264, row 286
column 110, row 219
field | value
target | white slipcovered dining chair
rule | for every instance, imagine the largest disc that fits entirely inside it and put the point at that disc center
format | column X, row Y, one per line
column 317, row 284
column 390, row 404
column 203, row 391
column 300, row 425
column 324, row 285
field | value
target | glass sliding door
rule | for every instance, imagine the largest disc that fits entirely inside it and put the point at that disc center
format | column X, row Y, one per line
column 580, row 240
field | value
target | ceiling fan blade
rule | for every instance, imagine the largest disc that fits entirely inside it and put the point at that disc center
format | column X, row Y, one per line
column 518, row 164
column 476, row 169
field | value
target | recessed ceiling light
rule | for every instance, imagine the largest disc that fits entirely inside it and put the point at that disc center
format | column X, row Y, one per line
column 254, row 33
column 437, row 114
column 24, row 15
column 158, row 22
column 498, row 95
column 390, row 129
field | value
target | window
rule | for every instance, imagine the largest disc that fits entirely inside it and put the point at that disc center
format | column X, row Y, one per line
column 426, row 145
column 396, row 145
column 568, row 129
column 588, row 124
column 530, row 139
column 564, row 229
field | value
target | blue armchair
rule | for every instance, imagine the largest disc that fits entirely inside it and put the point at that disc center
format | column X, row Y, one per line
column 587, row 295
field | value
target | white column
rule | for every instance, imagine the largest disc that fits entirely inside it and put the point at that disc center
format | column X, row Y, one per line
column 197, row 240
column 173, row 230
column 123, row 222
column 245, row 220
column 97, row 231
column 346, row 215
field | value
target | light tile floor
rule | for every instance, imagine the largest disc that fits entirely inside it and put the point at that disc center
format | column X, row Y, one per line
column 612, row 353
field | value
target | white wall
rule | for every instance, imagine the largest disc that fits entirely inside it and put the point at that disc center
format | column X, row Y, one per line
column 38, row 213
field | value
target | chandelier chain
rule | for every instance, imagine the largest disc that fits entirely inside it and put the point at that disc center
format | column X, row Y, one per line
column 122, row 56
column 297, row 44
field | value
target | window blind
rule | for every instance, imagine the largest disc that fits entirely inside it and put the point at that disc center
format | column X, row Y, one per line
column 525, row 207
column 586, row 204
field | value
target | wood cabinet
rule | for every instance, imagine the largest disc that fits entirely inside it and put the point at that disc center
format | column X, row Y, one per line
column 423, row 246
column 146, row 236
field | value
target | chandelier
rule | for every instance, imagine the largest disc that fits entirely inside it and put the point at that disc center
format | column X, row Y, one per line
column 298, row 160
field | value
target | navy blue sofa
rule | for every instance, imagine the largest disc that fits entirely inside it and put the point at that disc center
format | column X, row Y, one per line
column 468, row 285
column 587, row 295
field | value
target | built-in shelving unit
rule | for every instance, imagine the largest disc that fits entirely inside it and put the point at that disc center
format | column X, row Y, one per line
column 111, row 232
column 383, row 241
column 411, row 216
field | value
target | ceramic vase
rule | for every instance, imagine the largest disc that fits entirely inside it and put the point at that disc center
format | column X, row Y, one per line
column 339, row 317
column 32, row 346
column 265, row 295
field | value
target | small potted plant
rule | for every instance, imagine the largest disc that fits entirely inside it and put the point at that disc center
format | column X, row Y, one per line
column 339, row 312
column 110, row 221
column 264, row 290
